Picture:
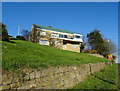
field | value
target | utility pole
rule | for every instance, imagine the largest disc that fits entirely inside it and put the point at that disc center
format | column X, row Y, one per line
column 18, row 30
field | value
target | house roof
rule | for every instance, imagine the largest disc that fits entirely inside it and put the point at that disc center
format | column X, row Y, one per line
column 52, row 28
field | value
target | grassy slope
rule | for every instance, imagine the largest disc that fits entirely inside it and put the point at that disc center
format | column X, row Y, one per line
column 105, row 79
column 27, row 54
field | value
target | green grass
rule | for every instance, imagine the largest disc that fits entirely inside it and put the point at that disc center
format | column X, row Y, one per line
column 22, row 54
column 104, row 79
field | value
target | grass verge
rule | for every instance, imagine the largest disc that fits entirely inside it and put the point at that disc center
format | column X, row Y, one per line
column 105, row 79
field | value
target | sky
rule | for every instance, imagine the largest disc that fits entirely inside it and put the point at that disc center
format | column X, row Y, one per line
column 79, row 17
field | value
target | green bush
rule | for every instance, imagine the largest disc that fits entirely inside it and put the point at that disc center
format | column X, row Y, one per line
column 4, row 33
column 20, row 38
column 12, row 38
column 90, row 51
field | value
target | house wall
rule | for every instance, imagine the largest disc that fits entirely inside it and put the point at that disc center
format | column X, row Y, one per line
column 33, row 35
column 71, row 47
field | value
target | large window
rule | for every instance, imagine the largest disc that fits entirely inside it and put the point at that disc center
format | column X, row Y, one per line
column 55, row 35
column 76, row 36
column 43, row 42
column 62, row 36
column 42, row 33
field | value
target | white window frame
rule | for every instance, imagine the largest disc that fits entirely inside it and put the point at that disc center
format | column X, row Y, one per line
column 63, row 36
column 54, row 35
column 76, row 37
column 42, row 33
column 43, row 42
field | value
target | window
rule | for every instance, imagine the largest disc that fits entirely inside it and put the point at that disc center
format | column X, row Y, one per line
column 54, row 35
column 62, row 36
column 65, row 36
column 42, row 33
column 43, row 42
column 70, row 37
column 76, row 36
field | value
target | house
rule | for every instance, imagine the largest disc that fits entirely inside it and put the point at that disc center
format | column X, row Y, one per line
column 58, row 38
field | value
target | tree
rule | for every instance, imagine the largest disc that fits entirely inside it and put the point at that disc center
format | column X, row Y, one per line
column 110, row 47
column 4, row 33
column 82, row 46
column 53, row 42
column 25, row 34
column 95, row 41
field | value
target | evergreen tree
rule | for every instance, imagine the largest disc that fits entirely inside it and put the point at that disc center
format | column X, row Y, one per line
column 4, row 33
column 95, row 41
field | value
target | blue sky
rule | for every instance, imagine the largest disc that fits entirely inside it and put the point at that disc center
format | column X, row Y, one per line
column 79, row 17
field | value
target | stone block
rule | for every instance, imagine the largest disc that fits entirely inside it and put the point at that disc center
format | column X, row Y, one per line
column 12, row 86
column 26, row 77
column 32, row 82
column 43, row 73
column 32, row 75
column 45, row 83
column 15, row 78
column 39, row 85
column 27, row 86
column 39, row 88
column 75, row 68
column 19, row 84
column 61, row 70
column 59, row 85
column 47, row 87
column 56, row 70
column 6, row 80
column 37, row 74
column 4, row 87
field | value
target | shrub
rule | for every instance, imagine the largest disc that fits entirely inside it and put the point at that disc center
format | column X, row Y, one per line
column 105, row 55
column 82, row 47
column 87, row 51
column 20, row 38
column 94, row 51
column 12, row 38
column 90, row 51
column 4, row 33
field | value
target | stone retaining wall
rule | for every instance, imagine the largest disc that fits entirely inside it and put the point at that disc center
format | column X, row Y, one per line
column 51, row 78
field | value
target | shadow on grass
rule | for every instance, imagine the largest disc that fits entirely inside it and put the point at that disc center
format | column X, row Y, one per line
column 106, row 81
column 9, row 41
